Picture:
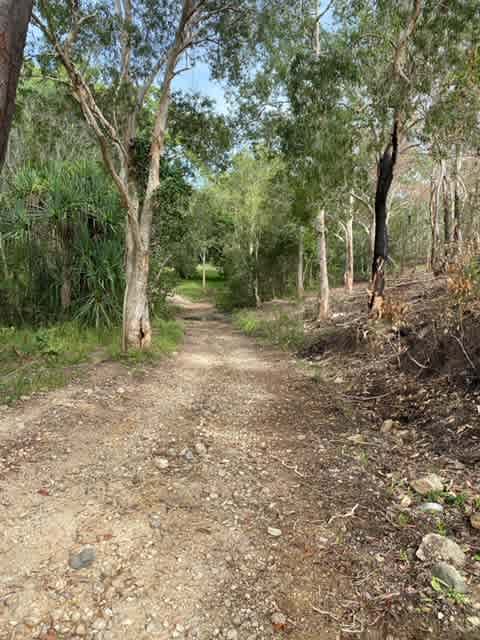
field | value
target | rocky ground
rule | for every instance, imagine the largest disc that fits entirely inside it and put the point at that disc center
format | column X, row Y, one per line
column 232, row 492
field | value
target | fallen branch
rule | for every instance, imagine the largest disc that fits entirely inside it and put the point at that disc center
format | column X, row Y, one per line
column 465, row 353
column 349, row 514
column 291, row 468
column 325, row 613
column 419, row 364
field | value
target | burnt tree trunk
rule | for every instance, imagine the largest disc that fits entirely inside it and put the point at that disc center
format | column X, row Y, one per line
column 14, row 19
column 385, row 168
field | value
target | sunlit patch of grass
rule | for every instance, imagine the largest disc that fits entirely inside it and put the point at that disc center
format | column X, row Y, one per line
column 193, row 290
column 283, row 330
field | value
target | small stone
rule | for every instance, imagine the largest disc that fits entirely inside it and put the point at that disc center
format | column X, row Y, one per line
column 356, row 438
column 475, row 520
column 431, row 507
column 83, row 559
column 154, row 627
column 405, row 435
column 232, row 634
column 386, row 427
column 120, row 390
column 162, row 463
column 237, row 621
column 81, row 630
column 427, row 484
column 338, row 380
column 279, row 620
column 201, row 449
column 275, row 533
column 155, row 521
column 473, row 621
column 450, row 576
column 187, row 454
column 436, row 548
column 475, row 591
column 100, row 624
column 405, row 501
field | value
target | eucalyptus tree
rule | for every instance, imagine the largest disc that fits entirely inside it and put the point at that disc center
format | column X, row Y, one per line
column 205, row 217
column 14, row 21
column 245, row 196
column 452, row 128
column 116, row 54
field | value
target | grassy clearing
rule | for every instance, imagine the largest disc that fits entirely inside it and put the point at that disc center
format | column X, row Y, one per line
column 192, row 289
column 45, row 358
column 282, row 330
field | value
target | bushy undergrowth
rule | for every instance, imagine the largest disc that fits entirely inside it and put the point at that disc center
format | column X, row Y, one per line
column 282, row 330
column 44, row 358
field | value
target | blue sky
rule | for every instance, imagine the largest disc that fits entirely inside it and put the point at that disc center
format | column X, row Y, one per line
column 197, row 80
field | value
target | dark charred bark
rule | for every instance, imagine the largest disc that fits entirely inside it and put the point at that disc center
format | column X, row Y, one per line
column 14, row 19
column 385, row 168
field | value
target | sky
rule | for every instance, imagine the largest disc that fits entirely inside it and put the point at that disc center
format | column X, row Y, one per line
column 197, row 80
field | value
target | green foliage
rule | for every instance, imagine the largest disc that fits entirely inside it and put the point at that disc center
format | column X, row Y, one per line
column 41, row 359
column 61, row 225
column 282, row 330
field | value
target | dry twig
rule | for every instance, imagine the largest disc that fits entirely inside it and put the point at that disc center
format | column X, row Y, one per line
column 349, row 514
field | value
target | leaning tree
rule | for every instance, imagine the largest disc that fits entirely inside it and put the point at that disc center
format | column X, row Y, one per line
column 120, row 56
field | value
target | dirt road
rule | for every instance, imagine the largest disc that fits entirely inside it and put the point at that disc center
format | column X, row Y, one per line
column 211, row 495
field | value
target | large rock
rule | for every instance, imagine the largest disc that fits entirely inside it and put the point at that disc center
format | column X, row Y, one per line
column 427, row 484
column 450, row 576
column 436, row 548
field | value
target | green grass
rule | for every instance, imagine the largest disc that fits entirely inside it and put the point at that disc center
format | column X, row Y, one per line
column 45, row 358
column 211, row 273
column 192, row 290
column 282, row 330
column 167, row 335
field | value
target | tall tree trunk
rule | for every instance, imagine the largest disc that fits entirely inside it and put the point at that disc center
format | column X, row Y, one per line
column 349, row 261
column 324, row 288
column 435, row 184
column 457, row 206
column 256, row 287
column 447, row 209
column 137, row 331
column 204, row 269
column 65, row 233
column 3, row 257
column 66, row 290
column 300, row 285
column 14, row 19
column 385, row 168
